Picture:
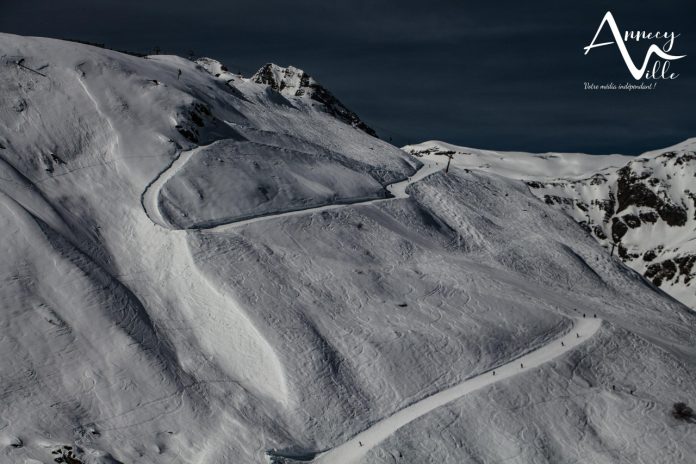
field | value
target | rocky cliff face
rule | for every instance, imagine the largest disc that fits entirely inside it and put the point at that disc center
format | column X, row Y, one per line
column 644, row 211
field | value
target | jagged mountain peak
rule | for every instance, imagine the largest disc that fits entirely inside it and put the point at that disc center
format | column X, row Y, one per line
column 294, row 82
column 289, row 81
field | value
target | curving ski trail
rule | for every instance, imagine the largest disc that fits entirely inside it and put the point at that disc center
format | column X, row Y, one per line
column 247, row 339
column 353, row 450
column 358, row 446
column 397, row 190
column 150, row 197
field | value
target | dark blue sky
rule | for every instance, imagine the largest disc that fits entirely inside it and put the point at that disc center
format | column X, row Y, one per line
column 500, row 75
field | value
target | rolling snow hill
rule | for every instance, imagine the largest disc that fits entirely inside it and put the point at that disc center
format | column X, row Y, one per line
column 641, row 208
column 199, row 268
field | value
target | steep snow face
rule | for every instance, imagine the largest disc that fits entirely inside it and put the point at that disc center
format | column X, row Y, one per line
column 144, row 320
column 642, row 208
column 293, row 82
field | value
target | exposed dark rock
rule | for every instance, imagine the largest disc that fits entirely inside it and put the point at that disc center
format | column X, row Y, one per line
column 598, row 179
column 189, row 135
column 586, row 227
column 625, row 255
column 685, row 158
column 198, row 116
column 662, row 271
column 196, row 119
column 632, row 192
column 672, row 214
column 20, row 105
column 606, row 205
column 201, row 108
column 649, row 217
column 681, row 411
column 631, row 220
column 686, row 264
column 555, row 199
column 618, row 229
column 599, row 233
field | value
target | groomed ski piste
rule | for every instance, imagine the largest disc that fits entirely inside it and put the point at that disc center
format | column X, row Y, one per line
column 352, row 451
column 397, row 190
column 356, row 448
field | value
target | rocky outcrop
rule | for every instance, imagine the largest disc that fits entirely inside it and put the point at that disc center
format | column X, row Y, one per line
column 294, row 82
column 644, row 211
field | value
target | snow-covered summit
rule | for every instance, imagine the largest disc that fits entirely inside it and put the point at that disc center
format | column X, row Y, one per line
column 294, row 82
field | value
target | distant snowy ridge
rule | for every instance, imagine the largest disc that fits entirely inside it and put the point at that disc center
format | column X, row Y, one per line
column 643, row 208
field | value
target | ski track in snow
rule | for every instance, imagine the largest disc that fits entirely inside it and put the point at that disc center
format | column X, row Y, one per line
column 98, row 108
column 150, row 198
column 249, row 339
column 357, row 447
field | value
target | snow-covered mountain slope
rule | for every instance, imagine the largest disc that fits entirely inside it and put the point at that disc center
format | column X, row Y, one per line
column 643, row 207
column 199, row 269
